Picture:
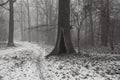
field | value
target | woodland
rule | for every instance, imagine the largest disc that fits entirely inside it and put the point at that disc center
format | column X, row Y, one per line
column 59, row 39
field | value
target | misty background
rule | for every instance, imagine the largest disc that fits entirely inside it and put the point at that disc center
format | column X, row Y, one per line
column 36, row 21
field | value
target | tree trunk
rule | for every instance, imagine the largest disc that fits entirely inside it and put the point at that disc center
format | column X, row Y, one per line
column 29, row 22
column 37, row 21
column 78, row 36
column 21, row 24
column 111, row 28
column 24, row 24
column 91, row 24
column 11, row 24
column 104, row 23
column 111, row 38
column 63, row 43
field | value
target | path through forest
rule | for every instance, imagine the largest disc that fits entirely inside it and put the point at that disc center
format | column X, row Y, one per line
column 26, row 61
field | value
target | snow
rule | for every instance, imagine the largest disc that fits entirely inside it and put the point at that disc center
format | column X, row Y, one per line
column 80, row 69
column 94, row 64
column 19, row 63
column 27, row 61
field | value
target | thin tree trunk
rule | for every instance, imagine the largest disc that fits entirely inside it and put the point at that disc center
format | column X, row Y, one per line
column 29, row 22
column 111, row 35
column 78, row 36
column 22, row 29
column 111, row 29
column 91, row 24
column 104, row 23
column 37, row 22
column 47, row 19
column 24, row 24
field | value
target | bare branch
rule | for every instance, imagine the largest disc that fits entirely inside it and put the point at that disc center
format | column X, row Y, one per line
column 5, row 8
column 14, row 1
column 2, row 4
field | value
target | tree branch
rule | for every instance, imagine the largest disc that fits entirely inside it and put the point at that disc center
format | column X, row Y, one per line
column 5, row 8
column 4, row 3
column 14, row 1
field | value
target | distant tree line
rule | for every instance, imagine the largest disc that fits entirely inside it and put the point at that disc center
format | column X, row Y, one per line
column 71, row 24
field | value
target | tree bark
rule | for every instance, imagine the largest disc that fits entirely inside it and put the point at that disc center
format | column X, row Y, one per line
column 11, row 24
column 78, row 37
column 37, row 21
column 91, row 24
column 29, row 22
column 21, row 24
column 104, row 23
column 63, row 43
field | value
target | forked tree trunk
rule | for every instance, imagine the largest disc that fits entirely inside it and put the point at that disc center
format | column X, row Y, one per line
column 63, row 43
column 11, row 24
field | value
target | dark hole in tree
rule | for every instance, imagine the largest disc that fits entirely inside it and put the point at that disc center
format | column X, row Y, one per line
column 62, row 45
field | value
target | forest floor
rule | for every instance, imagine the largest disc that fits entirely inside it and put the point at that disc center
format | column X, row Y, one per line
column 27, row 61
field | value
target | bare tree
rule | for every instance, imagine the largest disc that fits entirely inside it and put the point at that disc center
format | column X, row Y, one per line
column 63, row 43
column 11, row 21
column 37, row 20
column 104, row 22
column 27, row 5
column 79, row 16
column 21, row 22
column 91, row 22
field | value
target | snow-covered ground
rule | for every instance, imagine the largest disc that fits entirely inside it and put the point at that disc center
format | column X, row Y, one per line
column 26, row 61
column 19, row 63
column 78, row 68
column 93, row 64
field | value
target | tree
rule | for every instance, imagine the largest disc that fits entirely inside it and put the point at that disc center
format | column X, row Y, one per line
column 91, row 22
column 29, row 31
column 105, row 20
column 29, row 20
column 21, row 21
column 37, row 20
column 49, row 8
column 78, row 16
column 63, row 43
column 11, row 21
column 3, row 28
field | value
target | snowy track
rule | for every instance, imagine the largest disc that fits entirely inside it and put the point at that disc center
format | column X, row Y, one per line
column 27, row 62
column 20, row 63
